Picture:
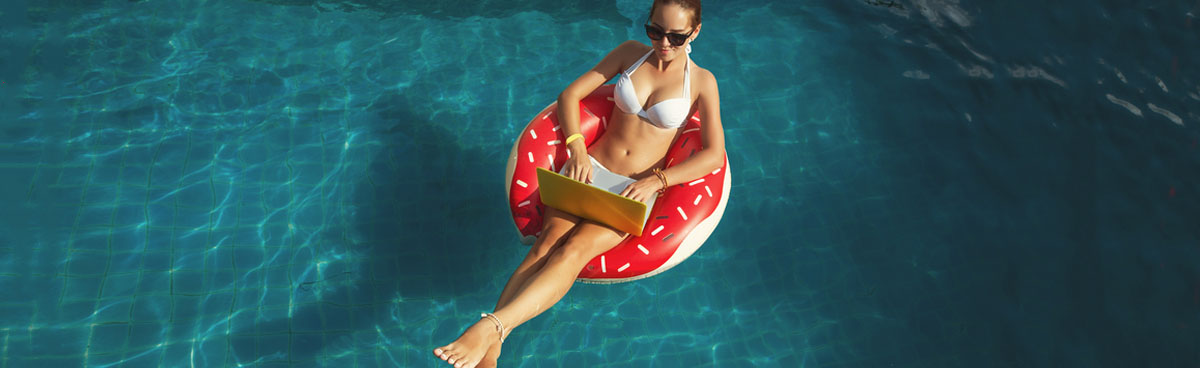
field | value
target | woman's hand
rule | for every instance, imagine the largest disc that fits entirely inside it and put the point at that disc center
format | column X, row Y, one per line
column 643, row 189
column 579, row 167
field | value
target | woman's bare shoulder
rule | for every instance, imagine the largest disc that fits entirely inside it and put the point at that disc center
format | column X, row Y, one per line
column 703, row 78
column 627, row 53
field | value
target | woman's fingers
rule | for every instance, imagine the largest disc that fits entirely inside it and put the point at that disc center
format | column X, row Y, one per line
column 631, row 191
column 578, row 170
column 573, row 170
column 585, row 172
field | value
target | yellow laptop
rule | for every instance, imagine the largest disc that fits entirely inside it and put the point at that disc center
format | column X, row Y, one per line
column 600, row 201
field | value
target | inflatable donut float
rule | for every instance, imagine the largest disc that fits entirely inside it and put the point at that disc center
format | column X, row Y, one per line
column 681, row 220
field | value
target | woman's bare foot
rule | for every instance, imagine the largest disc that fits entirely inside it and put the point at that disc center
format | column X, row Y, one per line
column 489, row 359
column 469, row 349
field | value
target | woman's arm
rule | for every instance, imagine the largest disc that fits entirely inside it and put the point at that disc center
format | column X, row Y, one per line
column 579, row 167
column 712, row 137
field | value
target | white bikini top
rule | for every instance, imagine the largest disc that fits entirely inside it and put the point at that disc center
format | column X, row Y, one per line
column 668, row 114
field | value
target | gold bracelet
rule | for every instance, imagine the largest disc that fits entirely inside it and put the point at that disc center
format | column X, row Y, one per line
column 662, row 177
column 573, row 137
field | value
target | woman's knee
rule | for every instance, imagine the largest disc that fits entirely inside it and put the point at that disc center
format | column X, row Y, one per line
column 574, row 249
column 587, row 241
column 539, row 250
column 550, row 238
column 557, row 226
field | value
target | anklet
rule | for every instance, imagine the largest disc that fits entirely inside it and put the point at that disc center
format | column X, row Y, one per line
column 499, row 325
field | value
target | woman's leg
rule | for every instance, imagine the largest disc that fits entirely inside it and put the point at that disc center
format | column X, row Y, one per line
column 548, row 285
column 544, row 288
column 556, row 225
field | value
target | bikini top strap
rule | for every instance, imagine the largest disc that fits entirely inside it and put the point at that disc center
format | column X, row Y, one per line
column 687, row 78
column 634, row 67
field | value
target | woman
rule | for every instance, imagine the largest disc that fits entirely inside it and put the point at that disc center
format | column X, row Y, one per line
column 658, row 88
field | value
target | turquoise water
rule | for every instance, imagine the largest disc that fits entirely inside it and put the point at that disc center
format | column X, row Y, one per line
column 294, row 183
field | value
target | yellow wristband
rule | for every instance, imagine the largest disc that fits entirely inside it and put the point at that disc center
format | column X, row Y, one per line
column 573, row 137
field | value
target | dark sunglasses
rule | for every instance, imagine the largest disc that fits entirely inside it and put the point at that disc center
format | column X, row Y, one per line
column 657, row 33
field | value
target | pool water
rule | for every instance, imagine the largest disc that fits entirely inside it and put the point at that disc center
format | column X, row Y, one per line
column 917, row 183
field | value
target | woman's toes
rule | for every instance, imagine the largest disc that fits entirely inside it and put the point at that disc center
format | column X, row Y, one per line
column 447, row 354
